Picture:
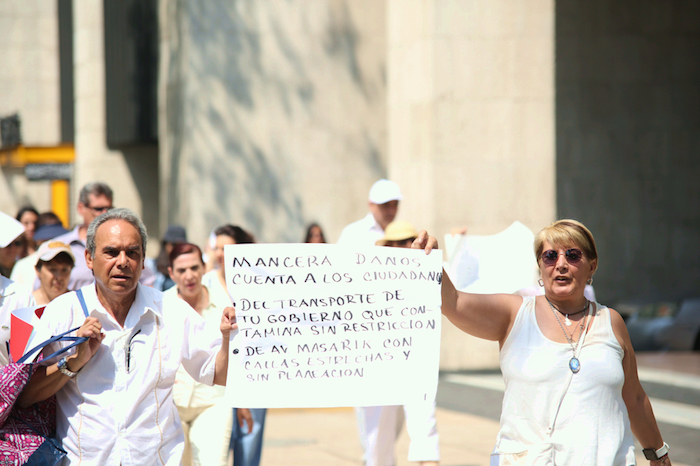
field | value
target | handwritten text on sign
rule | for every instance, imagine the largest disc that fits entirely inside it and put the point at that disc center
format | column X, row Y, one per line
column 323, row 325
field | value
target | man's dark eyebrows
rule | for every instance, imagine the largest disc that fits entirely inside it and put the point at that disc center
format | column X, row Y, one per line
column 133, row 247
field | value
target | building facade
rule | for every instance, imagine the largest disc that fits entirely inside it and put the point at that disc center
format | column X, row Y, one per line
column 271, row 115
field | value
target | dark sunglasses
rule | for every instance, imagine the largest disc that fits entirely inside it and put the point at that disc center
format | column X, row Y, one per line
column 573, row 256
column 100, row 210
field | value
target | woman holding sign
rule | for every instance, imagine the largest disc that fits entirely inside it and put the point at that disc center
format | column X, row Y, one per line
column 206, row 419
column 215, row 280
column 247, row 445
column 572, row 392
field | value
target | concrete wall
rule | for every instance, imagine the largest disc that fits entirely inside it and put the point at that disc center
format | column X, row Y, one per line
column 273, row 114
column 29, row 82
column 628, row 141
column 131, row 173
column 471, row 124
column 471, row 112
column 29, row 79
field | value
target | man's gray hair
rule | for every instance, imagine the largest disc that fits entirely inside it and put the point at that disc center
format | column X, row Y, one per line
column 116, row 214
column 96, row 189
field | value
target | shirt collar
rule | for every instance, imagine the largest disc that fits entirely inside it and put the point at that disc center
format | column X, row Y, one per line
column 72, row 236
column 146, row 300
column 149, row 300
column 372, row 223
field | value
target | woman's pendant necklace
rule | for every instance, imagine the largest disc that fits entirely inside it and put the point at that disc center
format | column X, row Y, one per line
column 574, row 363
column 566, row 316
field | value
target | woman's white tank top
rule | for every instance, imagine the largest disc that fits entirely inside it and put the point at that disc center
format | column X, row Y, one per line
column 592, row 427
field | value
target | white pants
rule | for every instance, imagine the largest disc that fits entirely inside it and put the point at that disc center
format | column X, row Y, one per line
column 207, row 435
column 380, row 426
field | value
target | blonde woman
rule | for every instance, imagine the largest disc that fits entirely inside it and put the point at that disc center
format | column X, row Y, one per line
column 572, row 392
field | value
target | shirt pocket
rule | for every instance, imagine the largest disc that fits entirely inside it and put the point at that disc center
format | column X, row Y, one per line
column 150, row 356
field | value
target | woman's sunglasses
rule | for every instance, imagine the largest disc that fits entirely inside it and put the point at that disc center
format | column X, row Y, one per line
column 573, row 256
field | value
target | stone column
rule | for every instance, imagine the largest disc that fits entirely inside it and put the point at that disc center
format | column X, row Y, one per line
column 471, row 123
column 94, row 161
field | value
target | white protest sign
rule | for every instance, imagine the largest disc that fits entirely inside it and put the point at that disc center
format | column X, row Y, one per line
column 477, row 262
column 323, row 325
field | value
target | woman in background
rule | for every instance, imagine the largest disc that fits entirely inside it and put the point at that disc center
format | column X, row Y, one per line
column 215, row 280
column 28, row 217
column 206, row 420
column 247, row 444
column 314, row 234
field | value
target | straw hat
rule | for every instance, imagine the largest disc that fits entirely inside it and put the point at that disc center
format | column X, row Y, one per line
column 398, row 230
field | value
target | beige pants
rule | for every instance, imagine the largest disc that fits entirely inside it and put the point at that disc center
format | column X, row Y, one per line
column 207, row 435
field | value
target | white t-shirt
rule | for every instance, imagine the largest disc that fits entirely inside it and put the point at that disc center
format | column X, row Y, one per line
column 363, row 233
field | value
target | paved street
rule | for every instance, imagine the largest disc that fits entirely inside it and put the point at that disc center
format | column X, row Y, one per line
column 469, row 405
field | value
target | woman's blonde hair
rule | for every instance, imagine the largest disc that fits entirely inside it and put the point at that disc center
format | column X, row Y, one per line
column 564, row 233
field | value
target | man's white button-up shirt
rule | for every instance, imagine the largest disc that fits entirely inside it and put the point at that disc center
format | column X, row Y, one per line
column 362, row 233
column 119, row 409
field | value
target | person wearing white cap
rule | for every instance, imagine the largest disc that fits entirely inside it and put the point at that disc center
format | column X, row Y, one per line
column 383, row 203
column 12, row 295
column 54, row 263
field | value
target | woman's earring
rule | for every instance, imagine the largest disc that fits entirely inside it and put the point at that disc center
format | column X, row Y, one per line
column 590, row 281
column 540, row 282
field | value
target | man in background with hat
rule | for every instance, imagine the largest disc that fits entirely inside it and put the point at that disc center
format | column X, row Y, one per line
column 383, row 203
column 174, row 235
column 12, row 295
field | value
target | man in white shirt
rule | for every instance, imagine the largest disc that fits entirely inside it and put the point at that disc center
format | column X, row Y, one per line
column 114, row 392
column 383, row 204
